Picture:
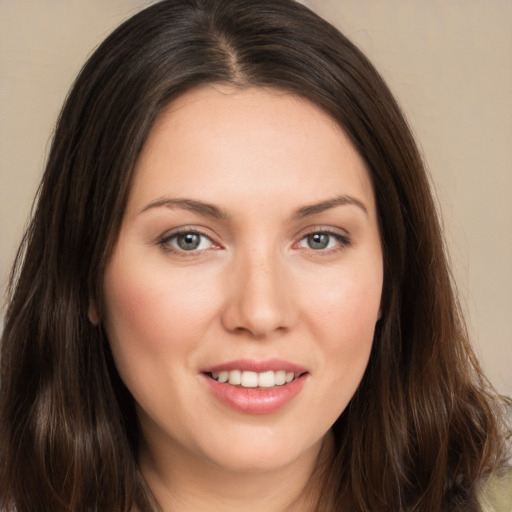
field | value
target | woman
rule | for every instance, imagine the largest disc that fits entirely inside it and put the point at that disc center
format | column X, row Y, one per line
column 233, row 292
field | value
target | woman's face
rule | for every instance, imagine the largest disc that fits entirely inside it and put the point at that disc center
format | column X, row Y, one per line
column 249, row 252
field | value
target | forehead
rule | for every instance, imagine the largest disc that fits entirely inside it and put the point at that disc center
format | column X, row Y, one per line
column 221, row 141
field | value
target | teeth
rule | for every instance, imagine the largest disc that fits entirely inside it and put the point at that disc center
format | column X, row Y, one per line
column 249, row 379
column 267, row 379
column 235, row 377
column 280, row 377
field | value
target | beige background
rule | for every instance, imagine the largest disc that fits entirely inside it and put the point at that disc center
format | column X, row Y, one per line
column 448, row 62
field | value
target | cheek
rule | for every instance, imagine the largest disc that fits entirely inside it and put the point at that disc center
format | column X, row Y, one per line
column 155, row 320
column 342, row 317
column 347, row 304
column 152, row 310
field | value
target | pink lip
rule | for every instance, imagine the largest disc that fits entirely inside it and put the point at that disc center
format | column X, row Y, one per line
column 256, row 400
column 256, row 366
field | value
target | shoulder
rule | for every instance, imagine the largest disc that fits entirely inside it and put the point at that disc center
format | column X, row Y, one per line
column 496, row 495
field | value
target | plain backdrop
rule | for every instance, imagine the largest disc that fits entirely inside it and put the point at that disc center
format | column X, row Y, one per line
column 447, row 61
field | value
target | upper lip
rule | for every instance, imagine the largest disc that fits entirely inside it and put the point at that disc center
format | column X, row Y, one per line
column 256, row 366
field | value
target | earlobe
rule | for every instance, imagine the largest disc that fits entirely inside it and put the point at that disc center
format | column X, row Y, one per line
column 93, row 314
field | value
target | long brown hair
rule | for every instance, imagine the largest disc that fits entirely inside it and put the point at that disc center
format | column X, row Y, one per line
column 421, row 429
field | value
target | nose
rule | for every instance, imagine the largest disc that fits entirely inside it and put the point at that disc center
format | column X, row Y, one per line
column 259, row 298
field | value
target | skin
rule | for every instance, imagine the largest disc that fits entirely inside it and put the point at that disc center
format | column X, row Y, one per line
column 254, row 288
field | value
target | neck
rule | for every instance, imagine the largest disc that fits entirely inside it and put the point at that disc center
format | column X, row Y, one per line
column 181, row 482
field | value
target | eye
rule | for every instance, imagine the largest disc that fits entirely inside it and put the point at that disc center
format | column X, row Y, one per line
column 323, row 240
column 187, row 241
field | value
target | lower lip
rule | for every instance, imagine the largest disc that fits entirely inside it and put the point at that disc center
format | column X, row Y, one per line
column 256, row 400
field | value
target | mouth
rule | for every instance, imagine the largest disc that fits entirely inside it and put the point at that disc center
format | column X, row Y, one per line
column 256, row 387
column 252, row 379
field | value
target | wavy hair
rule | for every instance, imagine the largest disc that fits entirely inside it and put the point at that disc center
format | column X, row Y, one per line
column 423, row 426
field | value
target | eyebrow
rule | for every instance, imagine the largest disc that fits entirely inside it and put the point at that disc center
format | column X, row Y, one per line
column 191, row 205
column 209, row 210
column 322, row 206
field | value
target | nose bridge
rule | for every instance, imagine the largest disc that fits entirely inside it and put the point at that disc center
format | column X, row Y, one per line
column 259, row 301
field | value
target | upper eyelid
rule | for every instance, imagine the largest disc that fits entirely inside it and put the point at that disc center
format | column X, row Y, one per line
column 170, row 247
column 187, row 229
column 323, row 229
column 215, row 239
column 341, row 235
column 165, row 239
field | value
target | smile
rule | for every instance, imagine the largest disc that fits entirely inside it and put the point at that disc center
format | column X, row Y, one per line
column 255, row 387
column 250, row 379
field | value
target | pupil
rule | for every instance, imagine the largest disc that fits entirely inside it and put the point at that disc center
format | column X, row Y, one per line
column 189, row 241
column 318, row 240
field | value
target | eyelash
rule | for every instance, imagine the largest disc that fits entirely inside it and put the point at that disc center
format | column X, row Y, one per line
column 342, row 242
column 165, row 242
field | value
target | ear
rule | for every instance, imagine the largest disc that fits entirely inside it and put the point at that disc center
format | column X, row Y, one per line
column 93, row 313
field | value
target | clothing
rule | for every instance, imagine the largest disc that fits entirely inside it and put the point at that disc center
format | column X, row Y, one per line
column 497, row 493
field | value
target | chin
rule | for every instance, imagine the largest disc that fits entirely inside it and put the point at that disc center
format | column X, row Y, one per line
column 257, row 453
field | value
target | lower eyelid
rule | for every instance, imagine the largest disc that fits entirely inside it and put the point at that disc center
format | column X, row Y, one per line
column 343, row 240
column 165, row 241
column 202, row 239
